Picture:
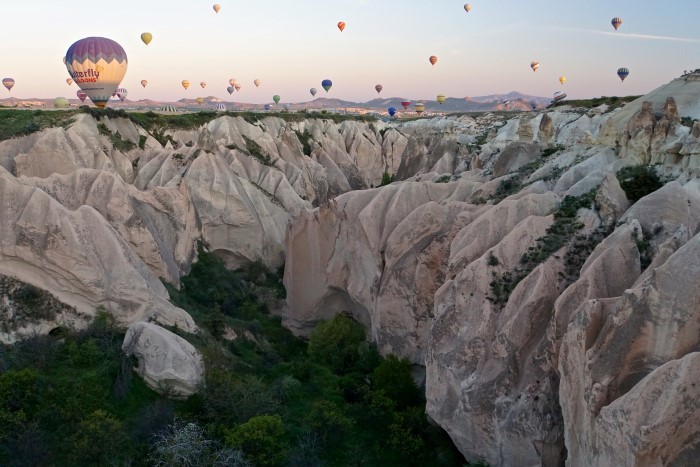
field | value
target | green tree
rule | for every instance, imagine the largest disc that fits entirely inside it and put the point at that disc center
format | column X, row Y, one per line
column 337, row 343
column 98, row 439
column 261, row 438
column 393, row 376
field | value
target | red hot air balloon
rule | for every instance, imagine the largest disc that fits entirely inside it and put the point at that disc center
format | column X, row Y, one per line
column 433, row 60
column 341, row 26
column 405, row 104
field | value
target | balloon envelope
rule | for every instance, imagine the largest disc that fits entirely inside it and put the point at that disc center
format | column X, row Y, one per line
column 144, row 83
column 420, row 108
column 276, row 98
column 257, row 83
column 313, row 91
column 185, row 84
column 200, row 100
column 230, row 89
column 216, row 7
column 81, row 95
column 237, row 87
column 121, row 93
column 405, row 104
column 378, row 88
column 623, row 73
column 146, row 37
column 326, row 84
column 468, row 7
column 616, row 22
column 392, row 111
column 203, row 84
column 534, row 65
column 441, row 98
column 341, row 26
column 433, row 60
column 562, row 79
column 97, row 65
column 69, row 81
column 558, row 96
column 8, row 83
column 61, row 102
column 268, row 106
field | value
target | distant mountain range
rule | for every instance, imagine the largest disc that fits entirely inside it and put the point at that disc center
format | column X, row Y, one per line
column 512, row 101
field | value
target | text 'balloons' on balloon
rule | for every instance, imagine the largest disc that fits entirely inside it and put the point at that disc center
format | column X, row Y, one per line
column 341, row 26
column 616, row 23
column 433, row 60
column 392, row 111
column 216, row 7
column 146, row 37
column 97, row 65
column 313, row 92
column 9, row 83
column 276, row 98
column 257, row 83
column 327, row 84
column 144, row 83
column 185, row 84
column 467, row 7
column 534, row 65
column 378, row 88
column 405, row 104
column 623, row 73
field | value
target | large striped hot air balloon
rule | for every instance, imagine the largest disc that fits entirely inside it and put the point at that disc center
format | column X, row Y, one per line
column 623, row 73
column 9, row 83
column 534, row 65
column 616, row 22
column 81, row 95
column 433, row 60
column 97, row 65
column 327, row 84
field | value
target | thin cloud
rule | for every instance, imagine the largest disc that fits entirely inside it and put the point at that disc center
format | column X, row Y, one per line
column 628, row 35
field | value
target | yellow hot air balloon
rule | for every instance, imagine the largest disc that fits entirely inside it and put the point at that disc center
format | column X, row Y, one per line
column 216, row 7
column 69, row 81
column 203, row 84
column 200, row 100
column 146, row 37
column 257, row 83
column 97, row 65
column 534, row 65
column 419, row 107
column 441, row 98
column 468, row 7
column 185, row 84
column 562, row 79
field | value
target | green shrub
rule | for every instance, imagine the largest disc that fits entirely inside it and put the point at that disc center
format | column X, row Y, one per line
column 261, row 438
column 393, row 377
column 638, row 181
column 336, row 343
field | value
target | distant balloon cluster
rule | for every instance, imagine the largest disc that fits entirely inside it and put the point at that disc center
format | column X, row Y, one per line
column 98, row 65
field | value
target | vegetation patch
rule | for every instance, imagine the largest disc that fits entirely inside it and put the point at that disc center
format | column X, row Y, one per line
column 560, row 233
column 612, row 102
column 638, row 181
column 115, row 138
column 257, row 152
column 15, row 123
column 444, row 179
column 387, row 179
column 305, row 140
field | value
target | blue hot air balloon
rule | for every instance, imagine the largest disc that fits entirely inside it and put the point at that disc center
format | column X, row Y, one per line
column 326, row 84
column 268, row 106
column 622, row 73
column 392, row 111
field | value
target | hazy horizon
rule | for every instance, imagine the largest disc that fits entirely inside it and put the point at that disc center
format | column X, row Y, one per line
column 292, row 46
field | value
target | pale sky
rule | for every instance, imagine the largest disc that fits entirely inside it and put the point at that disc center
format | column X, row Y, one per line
column 292, row 45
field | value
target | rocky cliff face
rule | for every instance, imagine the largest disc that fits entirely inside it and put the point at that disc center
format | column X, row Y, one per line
column 505, row 258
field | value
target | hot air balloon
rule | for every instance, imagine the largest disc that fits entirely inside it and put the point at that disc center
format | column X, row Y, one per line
column 287, row 107
column 146, row 37
column 341, row 26
column 81, row 95
column 220, row 107
column 121, row 93
column 623, row 73
column 534, row 65
column 392, row 111
column 268, row 106
column 327, row 84
column 405, row 104
column 558, row 96
column 144, row 83
column 432, row 60
column 419, row 108
column 185, row 84
column 468, row 7
column 257, row 83
column 616, row 22
column 237, row 87
column 8, row 83
column 378, row 88
column 200, row 100
column 69, row 81
column 233, row 81
column 97, row 65
column 440, row 99
column 216, row 7
column 562, row 79
column 276, row 98
column 230, row 89
column 203, row 84
column 61, row 103
column 313, row 92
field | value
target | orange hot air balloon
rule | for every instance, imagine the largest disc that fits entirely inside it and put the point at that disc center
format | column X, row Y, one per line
column 341, row 26
column 433, row 60
column 216, row 7
column 144, row 83
column 69, row 81
column 185, row 84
